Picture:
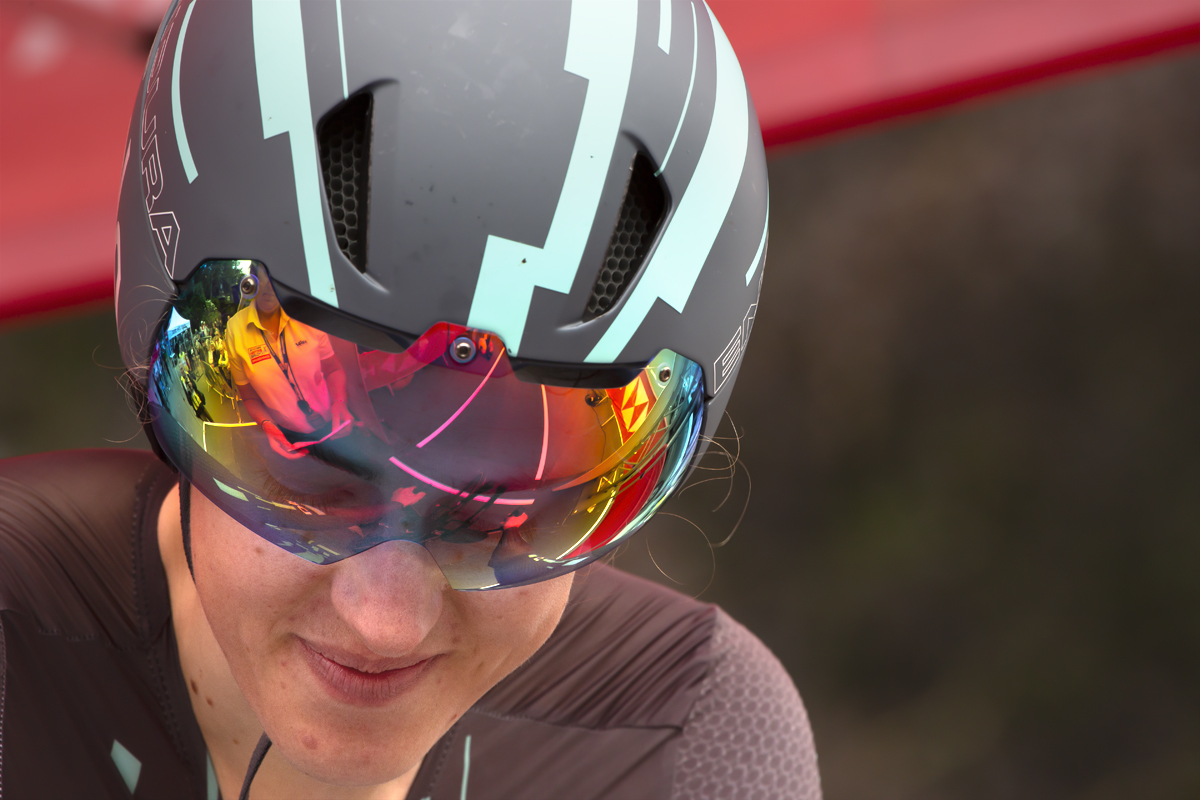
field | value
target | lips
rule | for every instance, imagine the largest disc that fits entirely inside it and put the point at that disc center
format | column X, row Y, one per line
column 361, row 681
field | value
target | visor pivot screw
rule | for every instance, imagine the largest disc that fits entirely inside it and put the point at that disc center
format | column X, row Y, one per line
column 249, row 286
column 462, row 349
column 592, row 399
column 664, row 374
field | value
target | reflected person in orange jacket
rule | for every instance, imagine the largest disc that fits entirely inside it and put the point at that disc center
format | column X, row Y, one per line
column 287, row 374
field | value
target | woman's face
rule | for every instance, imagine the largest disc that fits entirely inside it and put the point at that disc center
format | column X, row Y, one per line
column 355, row 669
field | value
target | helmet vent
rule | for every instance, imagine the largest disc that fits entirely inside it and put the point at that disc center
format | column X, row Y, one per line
column 637, row 225
column 345, row 141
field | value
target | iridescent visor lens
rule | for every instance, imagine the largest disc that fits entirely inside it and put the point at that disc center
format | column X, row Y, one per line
column 327, row 448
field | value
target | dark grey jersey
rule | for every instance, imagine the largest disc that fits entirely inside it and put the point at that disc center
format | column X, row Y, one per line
column 639, row 693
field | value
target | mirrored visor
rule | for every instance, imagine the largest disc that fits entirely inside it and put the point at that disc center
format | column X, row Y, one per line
column 326, row 447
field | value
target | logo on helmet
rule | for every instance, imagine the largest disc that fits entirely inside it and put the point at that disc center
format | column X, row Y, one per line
column 731, row 356
column 164, row 223
column 166, row 229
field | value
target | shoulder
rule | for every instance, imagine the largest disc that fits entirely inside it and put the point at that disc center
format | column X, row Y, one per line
column 239, row 320
column 235, row 329
column 641, row 692
column 68, row 525
column 748, row 733
column 304, row 329
column 596, row 712
column 307, row 333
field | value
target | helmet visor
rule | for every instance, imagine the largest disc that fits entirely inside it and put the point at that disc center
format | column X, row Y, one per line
column 326, row 448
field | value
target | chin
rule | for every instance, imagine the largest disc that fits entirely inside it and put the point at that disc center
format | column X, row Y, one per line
column 345, row 762
column 340, row 743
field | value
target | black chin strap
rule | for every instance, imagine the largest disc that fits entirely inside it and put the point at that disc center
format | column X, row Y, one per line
column 260, row 752
column 185, row 520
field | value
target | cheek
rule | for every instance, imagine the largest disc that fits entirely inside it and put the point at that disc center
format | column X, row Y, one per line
column 249, row 589
column 503, row 628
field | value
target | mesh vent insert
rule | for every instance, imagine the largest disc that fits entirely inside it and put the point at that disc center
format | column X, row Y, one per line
column 637, row 225
column 345, row 142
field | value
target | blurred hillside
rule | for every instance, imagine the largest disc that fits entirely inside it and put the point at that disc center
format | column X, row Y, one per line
column 970, row 417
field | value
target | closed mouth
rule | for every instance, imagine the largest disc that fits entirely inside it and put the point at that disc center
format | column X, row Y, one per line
column 363, row 682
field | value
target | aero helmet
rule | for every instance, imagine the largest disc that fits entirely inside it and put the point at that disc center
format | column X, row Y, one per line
column 496, row 224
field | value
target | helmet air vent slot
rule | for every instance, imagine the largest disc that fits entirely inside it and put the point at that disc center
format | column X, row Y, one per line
column 345, row 141
column 637, row 225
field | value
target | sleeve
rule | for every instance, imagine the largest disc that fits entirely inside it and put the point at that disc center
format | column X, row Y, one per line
column 237, row 367
column 748, row 734
column 324, row 348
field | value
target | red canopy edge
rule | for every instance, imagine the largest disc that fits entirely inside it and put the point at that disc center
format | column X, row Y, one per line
column 935, row 97
column 27, row 307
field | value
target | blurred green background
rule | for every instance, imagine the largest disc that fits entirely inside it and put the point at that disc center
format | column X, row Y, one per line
column 969, row 413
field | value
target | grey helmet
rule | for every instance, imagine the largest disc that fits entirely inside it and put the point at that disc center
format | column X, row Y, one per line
column 585, row 179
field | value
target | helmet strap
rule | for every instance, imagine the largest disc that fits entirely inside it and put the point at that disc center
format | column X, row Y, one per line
column 256, row 759
column 185, row 520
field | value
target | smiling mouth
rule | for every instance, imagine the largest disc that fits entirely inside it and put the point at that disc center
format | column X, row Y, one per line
column 371, row 686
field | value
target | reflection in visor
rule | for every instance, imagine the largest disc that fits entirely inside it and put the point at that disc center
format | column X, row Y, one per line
column 327, row 448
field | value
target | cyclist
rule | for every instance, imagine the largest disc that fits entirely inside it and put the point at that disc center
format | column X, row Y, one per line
column 484, row 274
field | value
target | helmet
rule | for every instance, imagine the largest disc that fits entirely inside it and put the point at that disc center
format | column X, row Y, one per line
column 580, row 187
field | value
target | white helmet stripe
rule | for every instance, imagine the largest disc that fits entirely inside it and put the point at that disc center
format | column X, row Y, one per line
column 282, row 70
column 600, row 49
column 676, row 262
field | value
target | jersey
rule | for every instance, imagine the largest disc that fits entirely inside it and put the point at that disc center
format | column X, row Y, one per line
column 639, row 693
column 283, row 370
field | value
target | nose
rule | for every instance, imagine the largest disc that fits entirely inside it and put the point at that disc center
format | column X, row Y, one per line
column 390, row 595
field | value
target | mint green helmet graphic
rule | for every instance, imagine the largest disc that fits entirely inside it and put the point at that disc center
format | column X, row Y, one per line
column 599, row 49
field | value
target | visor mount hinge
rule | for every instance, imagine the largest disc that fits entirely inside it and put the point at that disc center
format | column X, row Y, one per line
column 462, row 349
